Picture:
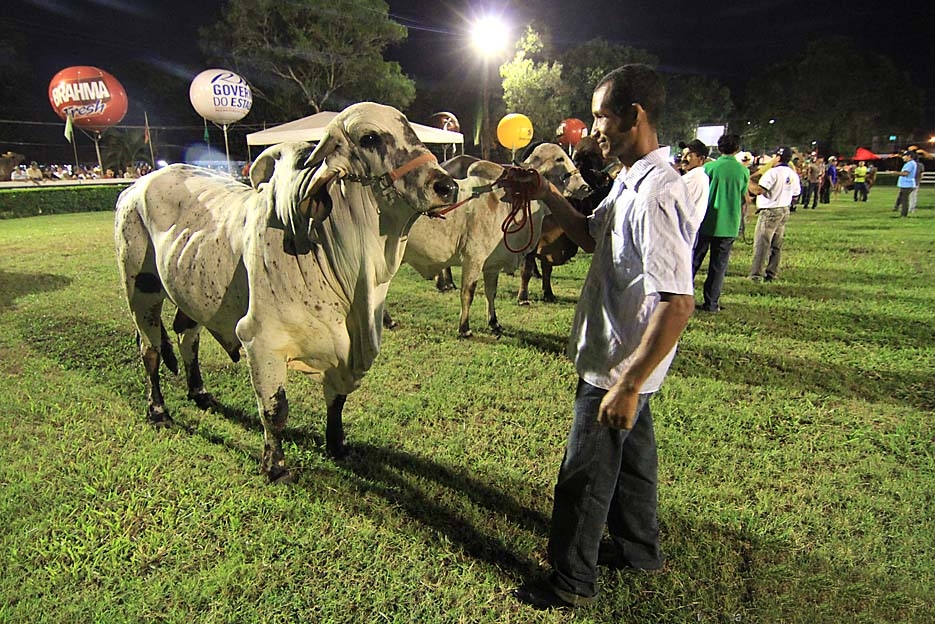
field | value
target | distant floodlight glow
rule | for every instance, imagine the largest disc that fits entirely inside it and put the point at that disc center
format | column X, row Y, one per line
column 161, row 163
column 489, row 35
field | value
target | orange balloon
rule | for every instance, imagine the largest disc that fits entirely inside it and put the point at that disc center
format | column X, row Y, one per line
column 514, row 131
column 93, row 98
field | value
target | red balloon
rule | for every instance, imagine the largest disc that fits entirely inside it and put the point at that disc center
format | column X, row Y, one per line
column 570, row 131
column 445, row 121
column 94, row 99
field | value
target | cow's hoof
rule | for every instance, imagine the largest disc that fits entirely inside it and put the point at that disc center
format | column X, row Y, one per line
column 280, row 476
column 523, row 302
column 205, row 401
column 339, row 450
column 497, row 330
column 549, row 298
column 159, row 419
column 466, row 334
column 391, row 325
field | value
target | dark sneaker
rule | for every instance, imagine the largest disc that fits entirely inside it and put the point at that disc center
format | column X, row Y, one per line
column 609, row 557
column 541, row 595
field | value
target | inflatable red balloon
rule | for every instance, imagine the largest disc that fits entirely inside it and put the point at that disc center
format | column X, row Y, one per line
column 94, row 99
column 570, row 131
column 445, row 121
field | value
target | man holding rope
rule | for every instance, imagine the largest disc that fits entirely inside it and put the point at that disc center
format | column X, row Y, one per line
column 635, row 302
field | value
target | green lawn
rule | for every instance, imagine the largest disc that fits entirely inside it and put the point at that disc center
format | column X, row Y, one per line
column 795, row 429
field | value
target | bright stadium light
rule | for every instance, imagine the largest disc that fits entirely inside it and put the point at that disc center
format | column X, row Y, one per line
column 489, row 36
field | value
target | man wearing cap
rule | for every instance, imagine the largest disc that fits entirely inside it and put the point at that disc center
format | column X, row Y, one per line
column 906, row 184
column 775, row 192
column 694, row 156
column 721, row 224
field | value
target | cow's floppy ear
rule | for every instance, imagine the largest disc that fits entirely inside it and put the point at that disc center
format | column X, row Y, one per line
column 303, row 204
column 329, row 160
column 485, row 169
column 262, row 168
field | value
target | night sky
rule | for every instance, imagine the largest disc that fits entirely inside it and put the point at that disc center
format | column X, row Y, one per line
column 727, row 40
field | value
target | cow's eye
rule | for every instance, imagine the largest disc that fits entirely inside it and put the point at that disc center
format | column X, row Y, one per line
column 370, row 141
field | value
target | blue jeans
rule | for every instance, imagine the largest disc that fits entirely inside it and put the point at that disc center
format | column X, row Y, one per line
column 608, row 476
column 720, row 247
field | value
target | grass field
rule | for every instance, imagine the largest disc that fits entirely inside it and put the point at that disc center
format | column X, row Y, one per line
column 796, row 440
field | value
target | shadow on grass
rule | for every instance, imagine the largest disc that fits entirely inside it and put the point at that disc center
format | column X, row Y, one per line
column 546, row 343
column 400, row 478
column 802, row 375
column 16, row 285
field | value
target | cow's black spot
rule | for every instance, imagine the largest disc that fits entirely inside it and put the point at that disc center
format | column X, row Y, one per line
column 148, row 283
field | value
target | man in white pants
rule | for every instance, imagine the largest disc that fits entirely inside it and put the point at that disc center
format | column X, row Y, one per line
column 775, row 192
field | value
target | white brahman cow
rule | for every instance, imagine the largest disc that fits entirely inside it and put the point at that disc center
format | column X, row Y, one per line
column 295, row 270
column 471, row 235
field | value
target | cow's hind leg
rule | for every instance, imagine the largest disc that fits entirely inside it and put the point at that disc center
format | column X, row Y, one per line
column 146, row 306
column 529, row 263
column 189, row 340
column 547, row 294
column 444, row 281
column 491, row 278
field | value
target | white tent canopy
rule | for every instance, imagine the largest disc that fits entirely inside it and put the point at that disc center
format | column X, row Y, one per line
column 312, row 128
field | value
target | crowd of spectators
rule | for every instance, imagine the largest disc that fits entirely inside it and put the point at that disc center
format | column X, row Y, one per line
column 35, row 173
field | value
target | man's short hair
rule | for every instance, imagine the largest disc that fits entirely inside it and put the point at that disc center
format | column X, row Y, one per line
column 635, row 83
column 728, row 143
column 695, row 146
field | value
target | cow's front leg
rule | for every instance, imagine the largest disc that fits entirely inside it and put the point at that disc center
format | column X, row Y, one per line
column 269, row 382
column 491, row 278
column 335, row 442
column 469, row 275
column 547, row 294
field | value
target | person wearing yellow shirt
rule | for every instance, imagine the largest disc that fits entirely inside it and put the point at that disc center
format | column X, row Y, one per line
column 860, row 181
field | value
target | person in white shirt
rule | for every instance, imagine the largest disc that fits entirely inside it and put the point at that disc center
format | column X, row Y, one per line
column 634, row 304
column 775, row 192
column 694, row 155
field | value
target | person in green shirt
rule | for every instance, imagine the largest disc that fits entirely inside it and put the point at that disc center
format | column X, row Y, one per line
column 860, row 181
column 727, row 199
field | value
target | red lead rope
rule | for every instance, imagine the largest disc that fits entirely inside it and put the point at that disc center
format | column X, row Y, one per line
column 520, row 185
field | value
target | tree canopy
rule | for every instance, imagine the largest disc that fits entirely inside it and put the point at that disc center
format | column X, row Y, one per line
column 305, row 56
column 834, row 93
column 584, row 65
column 535, row 88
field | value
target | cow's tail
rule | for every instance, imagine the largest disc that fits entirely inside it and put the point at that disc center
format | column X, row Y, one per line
column 136, row 263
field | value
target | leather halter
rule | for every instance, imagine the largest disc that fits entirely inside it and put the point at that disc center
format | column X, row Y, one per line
column 385, row 181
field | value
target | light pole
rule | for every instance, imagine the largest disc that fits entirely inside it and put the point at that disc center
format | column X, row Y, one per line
column 488, row 36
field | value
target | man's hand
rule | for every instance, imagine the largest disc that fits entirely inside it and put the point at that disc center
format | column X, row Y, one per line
column 520, row 182
column 618, row 409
